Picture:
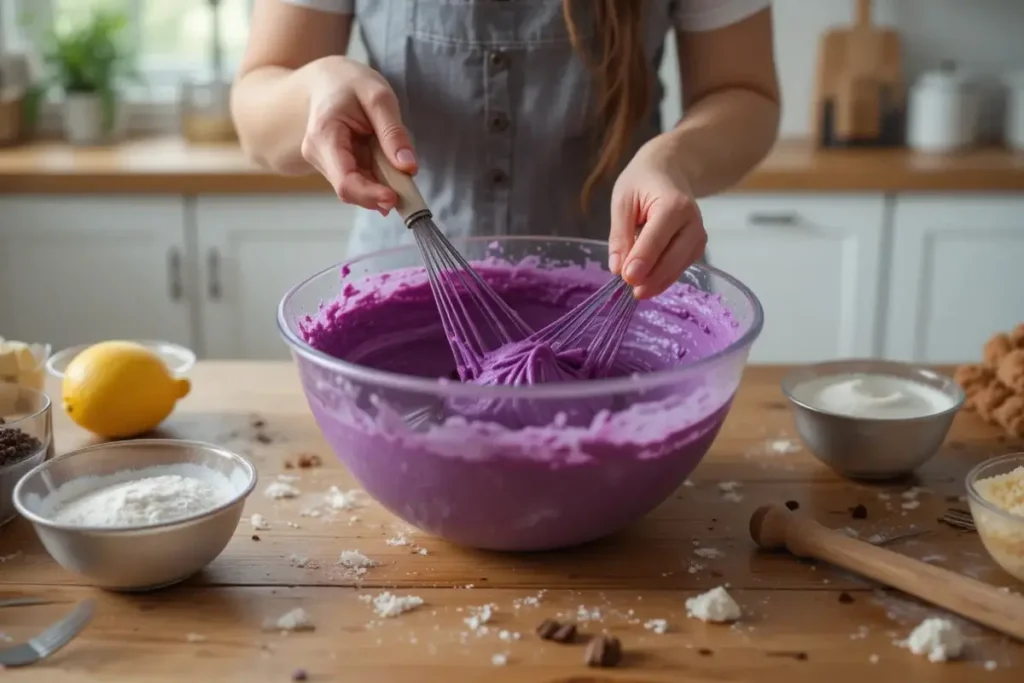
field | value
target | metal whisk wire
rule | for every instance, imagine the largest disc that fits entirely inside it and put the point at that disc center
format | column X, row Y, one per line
column 610, row 310
column 464, row 300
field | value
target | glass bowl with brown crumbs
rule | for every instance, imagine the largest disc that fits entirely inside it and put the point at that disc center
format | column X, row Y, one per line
column 995, row 493
column 25, row 438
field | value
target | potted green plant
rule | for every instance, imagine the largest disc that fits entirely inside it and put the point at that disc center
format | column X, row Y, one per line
column 88, row 60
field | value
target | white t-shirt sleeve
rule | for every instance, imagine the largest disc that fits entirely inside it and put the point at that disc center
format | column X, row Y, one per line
column 333, row 6
column 708, row 15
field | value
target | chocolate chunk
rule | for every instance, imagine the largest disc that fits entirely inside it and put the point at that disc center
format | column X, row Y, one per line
column 308, row 460
column 603, row 651
column 704, row 652
column 845, row 598
column 798, row 656
column 264, row 439
column 566, row 633
column 258, row 422
column 547, row 629
column 859, row 512
column 255, row 537
column 792, row 505
column 300, row 675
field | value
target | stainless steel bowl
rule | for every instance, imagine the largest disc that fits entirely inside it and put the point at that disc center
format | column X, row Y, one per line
column 144, row 557
column 871, row 448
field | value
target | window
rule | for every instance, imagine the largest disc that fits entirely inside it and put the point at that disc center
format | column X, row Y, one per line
column 174, row 37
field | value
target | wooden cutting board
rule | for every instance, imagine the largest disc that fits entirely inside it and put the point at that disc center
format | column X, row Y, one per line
column 859, row 94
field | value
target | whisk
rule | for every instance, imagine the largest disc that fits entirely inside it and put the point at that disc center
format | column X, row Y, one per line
column 474, row 317
column 490, row 341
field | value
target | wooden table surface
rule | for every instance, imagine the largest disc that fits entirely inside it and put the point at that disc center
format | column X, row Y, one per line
column 172, row 166
column 794, row 628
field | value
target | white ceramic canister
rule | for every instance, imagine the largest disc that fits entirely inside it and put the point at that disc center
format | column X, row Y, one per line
column 942, row 111
column 1014, row 133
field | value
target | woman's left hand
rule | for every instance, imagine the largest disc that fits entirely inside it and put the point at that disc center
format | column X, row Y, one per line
column 652, row 194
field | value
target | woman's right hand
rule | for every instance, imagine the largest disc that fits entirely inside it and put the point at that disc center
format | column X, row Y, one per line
column 350, row 104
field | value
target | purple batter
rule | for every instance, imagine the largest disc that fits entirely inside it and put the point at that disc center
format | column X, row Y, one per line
column 512, row 473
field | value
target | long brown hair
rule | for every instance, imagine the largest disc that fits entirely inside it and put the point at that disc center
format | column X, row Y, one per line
column 623, row 79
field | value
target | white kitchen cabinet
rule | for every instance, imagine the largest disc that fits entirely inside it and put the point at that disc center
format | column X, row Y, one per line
column 814, row 263
column 77, row 270
column 251, row 250
column 956, row 274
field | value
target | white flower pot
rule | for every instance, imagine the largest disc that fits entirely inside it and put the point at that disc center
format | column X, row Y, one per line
column 84, row 119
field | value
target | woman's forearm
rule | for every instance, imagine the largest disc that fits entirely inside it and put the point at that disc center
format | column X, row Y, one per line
column 270, row 107
column 722, row 137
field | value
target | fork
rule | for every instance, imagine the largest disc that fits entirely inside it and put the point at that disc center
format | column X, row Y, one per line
column 49, row 641
column 959, row 519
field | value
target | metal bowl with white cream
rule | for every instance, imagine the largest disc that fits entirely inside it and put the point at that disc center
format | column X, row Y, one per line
column 872, row 419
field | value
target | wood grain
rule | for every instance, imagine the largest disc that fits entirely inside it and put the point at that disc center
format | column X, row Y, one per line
column 172, row 166
column 795, row 627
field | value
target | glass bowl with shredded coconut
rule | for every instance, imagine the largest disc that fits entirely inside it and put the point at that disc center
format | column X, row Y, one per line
column 140, row 514
column 995, row 494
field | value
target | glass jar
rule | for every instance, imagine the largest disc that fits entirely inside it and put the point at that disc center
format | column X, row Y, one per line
column 206, row 112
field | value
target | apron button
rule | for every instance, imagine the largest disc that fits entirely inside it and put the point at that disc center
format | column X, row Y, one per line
column 496, row 177
column 498, row 60
column 498, row 123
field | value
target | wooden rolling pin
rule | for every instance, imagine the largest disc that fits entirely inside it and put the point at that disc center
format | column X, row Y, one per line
column 774, row 527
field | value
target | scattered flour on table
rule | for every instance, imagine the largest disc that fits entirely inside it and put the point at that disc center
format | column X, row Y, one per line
column 773, row 447
column 355, row 562
column 939, row 639
column 480, row 616
column 128, row 501
column 259, row 522
column 499, row 659
column 195, row 638
column 715, row 606
column 278, row 490
column 399, row 540
column 730, row 492
column 389, row 605
column 529, row 601
column 345, row 500
column 295, row 620
column 659, row 626
column 708, row 553
column 302, row 562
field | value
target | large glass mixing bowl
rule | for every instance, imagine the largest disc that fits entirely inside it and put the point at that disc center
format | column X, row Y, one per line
column 539, row 487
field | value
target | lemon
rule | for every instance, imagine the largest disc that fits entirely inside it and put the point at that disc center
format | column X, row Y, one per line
column 118, row 389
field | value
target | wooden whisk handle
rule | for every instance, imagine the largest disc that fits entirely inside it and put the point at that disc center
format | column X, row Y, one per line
column 411, row 204
column 863, row 17
column 775, row 528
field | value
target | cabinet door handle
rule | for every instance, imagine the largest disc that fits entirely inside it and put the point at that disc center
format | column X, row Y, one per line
column 213, row 285
column 174, row 285
column 786, row 219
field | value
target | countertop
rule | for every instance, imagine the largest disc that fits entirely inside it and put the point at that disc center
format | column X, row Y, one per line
column 795, row 626
column 172, row 166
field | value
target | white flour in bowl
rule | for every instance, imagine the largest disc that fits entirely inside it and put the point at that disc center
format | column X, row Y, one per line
column 136, row 498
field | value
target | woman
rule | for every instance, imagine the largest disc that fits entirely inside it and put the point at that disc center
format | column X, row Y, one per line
column 518, row 116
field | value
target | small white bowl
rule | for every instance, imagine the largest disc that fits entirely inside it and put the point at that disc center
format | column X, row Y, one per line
column 179, row 360
column 142, row 557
